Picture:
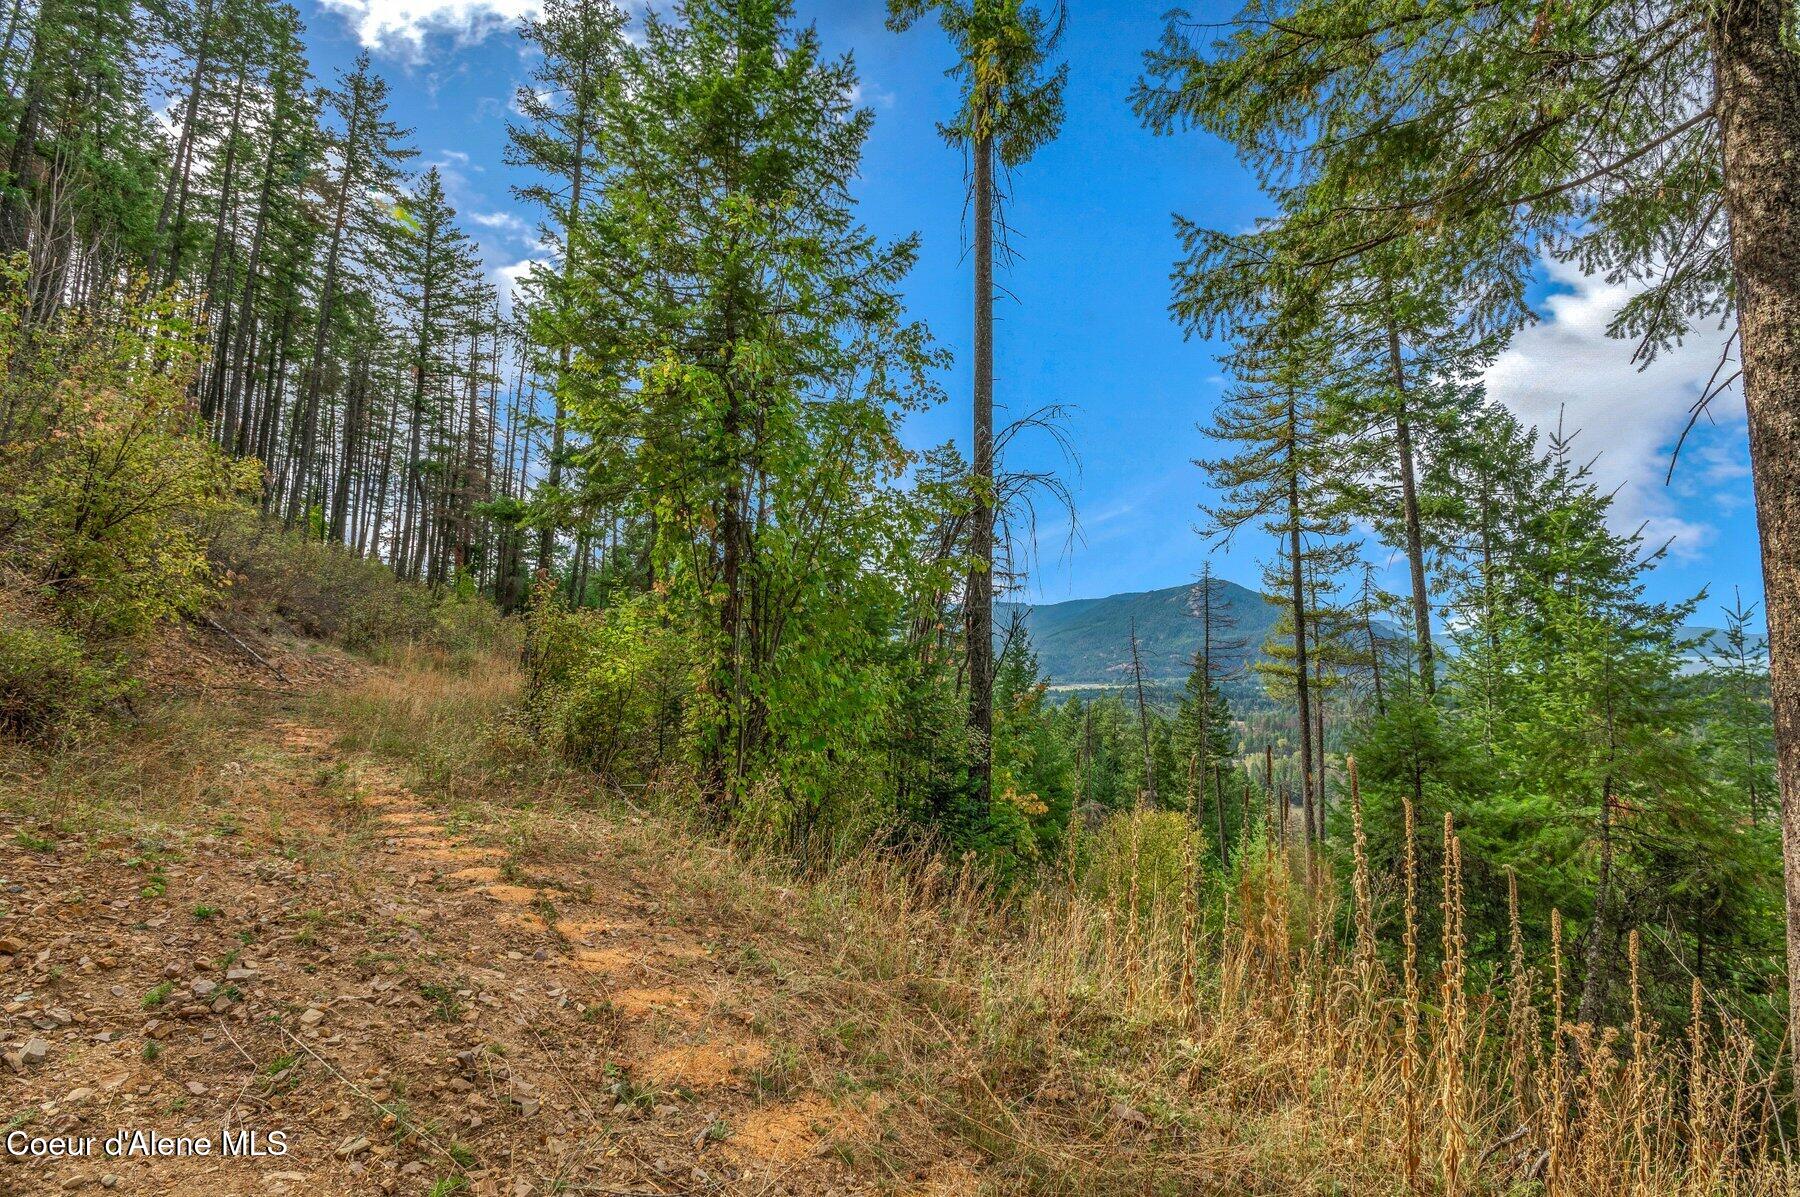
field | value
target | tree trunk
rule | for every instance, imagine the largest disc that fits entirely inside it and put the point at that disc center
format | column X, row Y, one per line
column 1219, row 805
column 224, row 231
column 1137, row 672
column 178, row 165
column 14, row 218
column 1409, row 508
column 1297, row 600
column 234, row 361
column 1318, row 702
column 1600, row 932
column 577, row 175
column 309, row 416
column 1758, row 81
column 979, row 602
column 353, row 424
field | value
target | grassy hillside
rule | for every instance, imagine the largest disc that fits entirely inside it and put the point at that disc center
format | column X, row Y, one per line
column 356, row 908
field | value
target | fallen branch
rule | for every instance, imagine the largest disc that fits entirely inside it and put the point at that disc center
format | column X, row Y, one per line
column 1500, row 1144
column 222, row 630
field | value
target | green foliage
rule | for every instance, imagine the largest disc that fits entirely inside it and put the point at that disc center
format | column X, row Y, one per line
column 744, row 403
column 328, row 591
column 1034, row 774
column 606, row 688
column 50, row 688
column 1002, row 48
column 1155, row 844
column 1572, row 754
column 105, row 475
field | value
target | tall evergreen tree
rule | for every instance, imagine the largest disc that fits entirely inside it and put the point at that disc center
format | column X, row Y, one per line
column 1012, row 105
column 1646, row 142
column 579, row 43
column 1278, row 456
column 742, row 390
column 1740, row 740
column 439, row 276
column 369, row 153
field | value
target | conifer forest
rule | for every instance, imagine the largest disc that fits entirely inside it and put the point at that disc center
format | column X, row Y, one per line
column 601, row 725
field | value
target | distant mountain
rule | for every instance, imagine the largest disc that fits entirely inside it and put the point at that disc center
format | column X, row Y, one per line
column 1712, row 646
column 1087, row 642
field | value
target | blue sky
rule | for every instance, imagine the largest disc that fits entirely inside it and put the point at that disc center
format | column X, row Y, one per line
column 1089, row 327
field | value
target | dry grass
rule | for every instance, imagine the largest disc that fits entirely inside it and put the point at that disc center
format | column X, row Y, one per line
column 135, row 780
column 1088, row 1041
column 450, row 718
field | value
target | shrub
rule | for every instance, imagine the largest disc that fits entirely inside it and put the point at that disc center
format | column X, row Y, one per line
column 464, row 627
column 321, row 588
column 49, row 688
column 605, row 688
column 105, row 470
column 1139, row 851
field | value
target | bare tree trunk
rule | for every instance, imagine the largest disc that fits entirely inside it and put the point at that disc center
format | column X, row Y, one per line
column 179, row 164
column 15, row 218
column 577, row 176
column 309, row 416
column 1297, row 601
column 353, row 427
column 1599, row 933
column 1758, row 81
column 1409, row 507
column 979, row 601
column 1137, row 671
column 1219, row 802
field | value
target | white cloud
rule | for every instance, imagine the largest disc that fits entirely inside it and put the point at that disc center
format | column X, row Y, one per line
column 511, row 279
column 1565, row 368
column 502, row 222
column 402, row 25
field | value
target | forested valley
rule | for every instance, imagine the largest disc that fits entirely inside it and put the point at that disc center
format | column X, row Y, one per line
column 1469, row 884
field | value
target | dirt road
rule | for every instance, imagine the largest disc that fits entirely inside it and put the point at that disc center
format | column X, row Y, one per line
column 403, row 994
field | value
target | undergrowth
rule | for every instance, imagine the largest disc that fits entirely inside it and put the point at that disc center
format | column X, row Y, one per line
column 1101, row 1036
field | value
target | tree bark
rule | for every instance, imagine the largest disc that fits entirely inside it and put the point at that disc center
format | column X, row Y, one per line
column 1758, row 101
column 979, row 602
column 234, row 362
column 178, row 165
column 1409, row 508
column 1600, row 931
column 1137, row 672
column 1297, row 599
column 309, row 427
column 577, row 175
column 14, row 218
column 347, row 457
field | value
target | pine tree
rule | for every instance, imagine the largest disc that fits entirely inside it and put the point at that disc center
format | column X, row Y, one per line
column 741, row 393
column 1012, row 105
column 1271, row 422
column 1641, row 142
column 1202, row 738
column 80, row 158
column 436, row 268
column 1740, row 737
column 1588, row 677
column 564, row 104
column 369, row 153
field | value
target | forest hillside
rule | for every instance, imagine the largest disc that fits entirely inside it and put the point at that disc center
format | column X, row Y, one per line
column 577, row 728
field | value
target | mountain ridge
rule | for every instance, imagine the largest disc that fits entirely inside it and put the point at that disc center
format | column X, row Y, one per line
column 1086, row 642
